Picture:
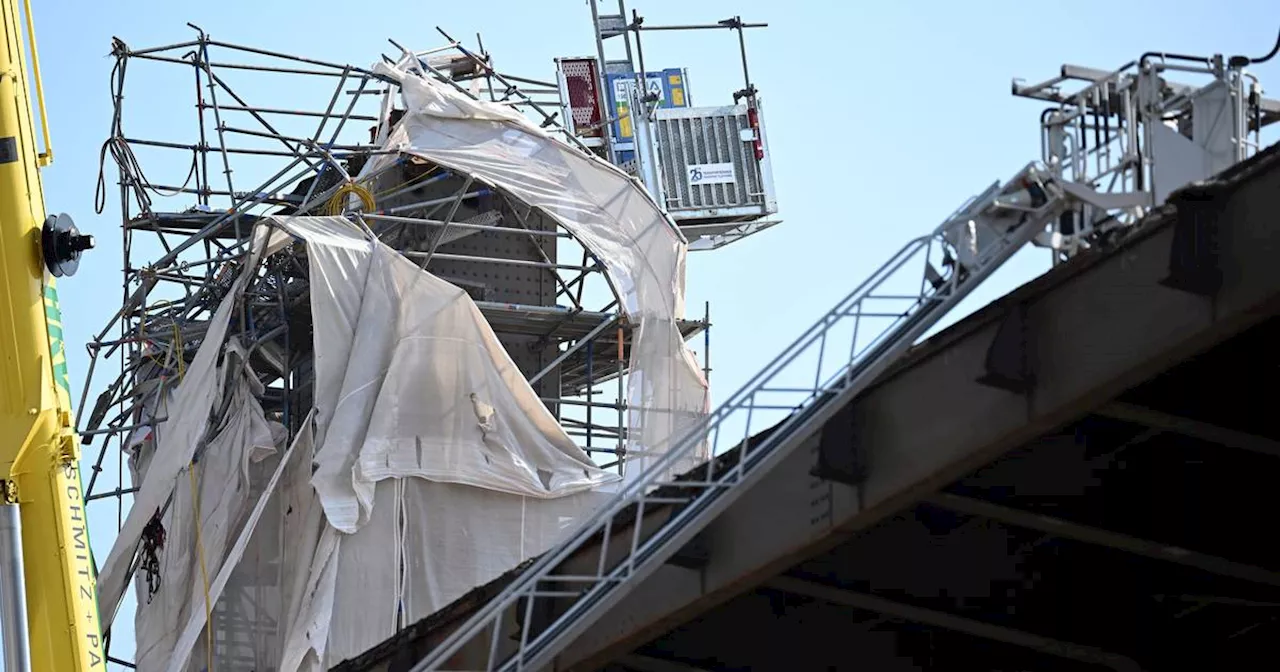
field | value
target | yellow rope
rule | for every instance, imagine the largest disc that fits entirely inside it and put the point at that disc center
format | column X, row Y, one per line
column 204, row 574
column 177, row 346
column 337, row 204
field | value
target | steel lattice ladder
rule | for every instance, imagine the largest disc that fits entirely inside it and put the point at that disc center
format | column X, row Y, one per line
column 796, row 393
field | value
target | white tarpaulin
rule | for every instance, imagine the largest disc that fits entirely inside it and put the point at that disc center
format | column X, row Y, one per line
column 202, row 534
column 188, row 408
column 451, row 539
column 605, row 209
column 227, row 557
column 437, row 467
column 412, row 381
column 433, row 467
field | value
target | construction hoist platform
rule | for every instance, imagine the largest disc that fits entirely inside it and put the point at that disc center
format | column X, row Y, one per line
column 1112, row 150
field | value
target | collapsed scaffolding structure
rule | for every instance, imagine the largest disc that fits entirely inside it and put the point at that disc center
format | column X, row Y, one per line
column 323, row 254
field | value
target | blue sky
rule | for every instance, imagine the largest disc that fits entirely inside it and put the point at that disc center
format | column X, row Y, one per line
column 882, row 118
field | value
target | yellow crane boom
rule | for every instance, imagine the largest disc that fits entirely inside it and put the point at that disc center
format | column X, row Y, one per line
column 44, row 536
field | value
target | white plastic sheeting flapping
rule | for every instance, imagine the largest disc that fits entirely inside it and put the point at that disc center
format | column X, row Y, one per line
column 411, row 381
column 606, row 210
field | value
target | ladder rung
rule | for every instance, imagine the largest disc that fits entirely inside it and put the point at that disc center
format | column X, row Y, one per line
column 690, row 484
column 555, row 593
column 791, row 390
column 617, row 67
column 611, row 24
column 667, row 500
column 578, row 578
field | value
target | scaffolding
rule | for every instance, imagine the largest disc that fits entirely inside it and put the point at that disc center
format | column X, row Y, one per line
column 277, row 134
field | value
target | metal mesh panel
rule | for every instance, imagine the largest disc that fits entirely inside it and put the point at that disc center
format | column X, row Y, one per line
column 701, row 136
column 581, row 81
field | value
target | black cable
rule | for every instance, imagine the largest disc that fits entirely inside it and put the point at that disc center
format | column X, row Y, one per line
column 1270, row 54
column 123, row 155
column 1241, row 61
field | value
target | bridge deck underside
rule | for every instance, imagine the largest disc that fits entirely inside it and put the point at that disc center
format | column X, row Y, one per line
column 1138, row 536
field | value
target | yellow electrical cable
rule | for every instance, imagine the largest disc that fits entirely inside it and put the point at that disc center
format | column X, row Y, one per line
column 338, row 202
column 204, row 574
column 403, row 185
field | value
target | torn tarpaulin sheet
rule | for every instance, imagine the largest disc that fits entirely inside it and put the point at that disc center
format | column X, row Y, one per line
column 606, row 210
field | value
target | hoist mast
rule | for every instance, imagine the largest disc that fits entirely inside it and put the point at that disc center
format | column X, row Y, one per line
column 48, row 602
